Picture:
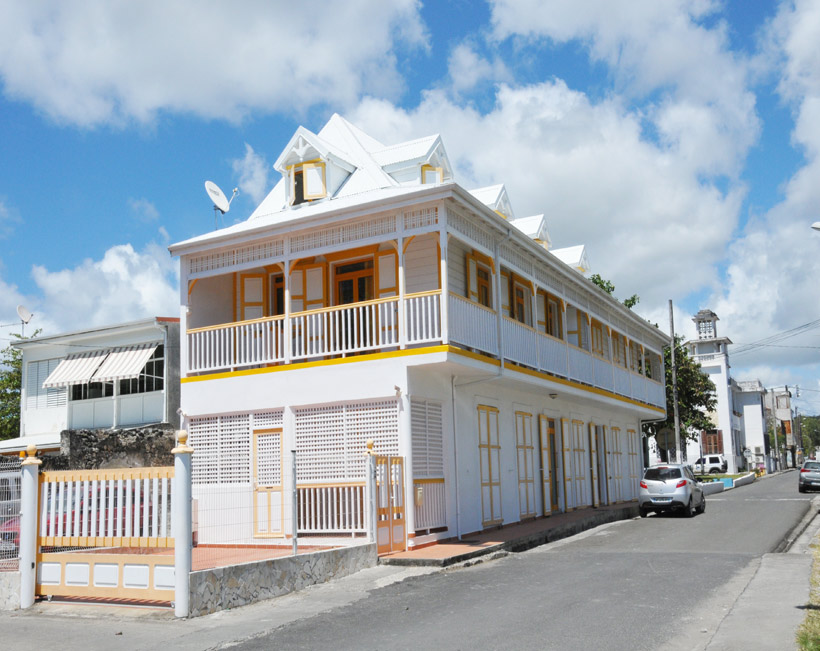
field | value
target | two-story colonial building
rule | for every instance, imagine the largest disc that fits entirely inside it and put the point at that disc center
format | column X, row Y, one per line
column 370, row 296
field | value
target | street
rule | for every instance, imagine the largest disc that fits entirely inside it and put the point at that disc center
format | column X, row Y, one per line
column 663, row 582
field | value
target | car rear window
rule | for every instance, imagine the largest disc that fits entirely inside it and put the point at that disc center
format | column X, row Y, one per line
column 812, row 465
column 662, row 473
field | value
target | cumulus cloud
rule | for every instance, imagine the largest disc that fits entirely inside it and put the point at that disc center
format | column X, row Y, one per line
column 252, row 170
column 636, row 206
column 7, row 218
column 468, row 69
column 143, row 210
column 124, row 285
column 88, row 62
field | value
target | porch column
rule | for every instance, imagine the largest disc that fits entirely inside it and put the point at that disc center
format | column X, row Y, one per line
column 287, row 337
column 444, row 298
column 406, row 450
column 29, row 485
column 182, row 524
column 401, row 307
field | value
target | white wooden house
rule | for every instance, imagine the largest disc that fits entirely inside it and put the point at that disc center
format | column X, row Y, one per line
column 110, row 377
column 369, row 296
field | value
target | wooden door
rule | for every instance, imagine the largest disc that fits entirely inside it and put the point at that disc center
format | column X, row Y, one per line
column 489, row 449
column 391, row 529
column 268, row 493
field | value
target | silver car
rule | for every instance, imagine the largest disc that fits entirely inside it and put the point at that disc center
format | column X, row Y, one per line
column 809, row 476
column 671, row 487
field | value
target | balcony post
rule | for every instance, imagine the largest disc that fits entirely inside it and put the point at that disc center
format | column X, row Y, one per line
column 401, row 308
column 29, row 485
column 444, row 296
column 287, row 336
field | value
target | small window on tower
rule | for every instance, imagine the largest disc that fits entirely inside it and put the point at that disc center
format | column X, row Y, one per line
column 307, row 182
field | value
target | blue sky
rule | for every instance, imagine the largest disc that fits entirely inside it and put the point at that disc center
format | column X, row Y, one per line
column 676, row 140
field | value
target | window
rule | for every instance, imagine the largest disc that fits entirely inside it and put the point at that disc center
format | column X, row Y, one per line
column 662, row 474
column 151, row 378
column 431, row 175
column 92, row 390
column 518, row 293
column 483, row 276
column 577, row 328
column 619, row 349
column 600, row 345
column 634, row 357
column 479, row 278
column 38, row 397
column 553, row 316
column 307, row 182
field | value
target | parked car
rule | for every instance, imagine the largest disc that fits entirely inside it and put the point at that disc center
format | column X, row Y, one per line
column 809, row 476
column 670, row 487
column 711, row 464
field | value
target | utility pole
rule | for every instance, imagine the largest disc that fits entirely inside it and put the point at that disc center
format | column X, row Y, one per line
column 678, row 454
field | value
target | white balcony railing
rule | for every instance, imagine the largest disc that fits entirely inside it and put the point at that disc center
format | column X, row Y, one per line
column 376, row 325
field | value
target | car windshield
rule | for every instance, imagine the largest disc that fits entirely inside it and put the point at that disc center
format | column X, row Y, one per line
column 812, row 465
column 662, row 473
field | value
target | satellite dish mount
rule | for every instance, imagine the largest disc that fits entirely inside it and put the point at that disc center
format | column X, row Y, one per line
column 221, row 203
column 25, row 317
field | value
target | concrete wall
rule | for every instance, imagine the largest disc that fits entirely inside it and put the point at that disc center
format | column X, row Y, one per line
column 9, row 590
column 239, row 585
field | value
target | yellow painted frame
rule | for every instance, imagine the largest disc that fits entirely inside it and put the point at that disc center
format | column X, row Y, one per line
column 485, row 452
column 268, row 489
column 528, row 449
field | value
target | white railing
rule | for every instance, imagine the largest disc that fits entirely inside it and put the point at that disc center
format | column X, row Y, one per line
column 638, row 386
column 623, row 383
column 430, row 498
column 519, row 342
column 552, row 355
column 332, row 508
column 580, row 365
column 422, row 317
column 473, row 325
column 655, row 393
column 243, row 344
column 106, row 508
column 603, row 373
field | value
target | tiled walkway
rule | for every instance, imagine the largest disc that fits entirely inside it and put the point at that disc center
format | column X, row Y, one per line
column 515, row 537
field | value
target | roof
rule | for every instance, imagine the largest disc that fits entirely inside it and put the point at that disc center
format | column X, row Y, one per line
column 97, row 331
column 574, row 256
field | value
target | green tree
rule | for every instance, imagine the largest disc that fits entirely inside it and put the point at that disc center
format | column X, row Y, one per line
column 11, row 378
column 609, row 288
column 696, row 395
column 810, row 430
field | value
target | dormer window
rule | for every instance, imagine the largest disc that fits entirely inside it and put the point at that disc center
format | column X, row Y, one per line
column 431, row 175
column 307, row 182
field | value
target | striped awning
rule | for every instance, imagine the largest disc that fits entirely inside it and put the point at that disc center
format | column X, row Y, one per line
column 75, row 369
column 124, row 363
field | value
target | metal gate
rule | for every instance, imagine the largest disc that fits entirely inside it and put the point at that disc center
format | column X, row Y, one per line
column 391, row 530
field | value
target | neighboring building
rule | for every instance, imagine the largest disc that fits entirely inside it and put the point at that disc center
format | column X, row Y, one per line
column 370, row 296
column 778, row 404
column 712, row 353
column 750, row 401
column 105, row 378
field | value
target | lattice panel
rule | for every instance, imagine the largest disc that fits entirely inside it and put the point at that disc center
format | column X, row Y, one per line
column 267, row 419
column 331, row 440
column 427, row 436
column 203, row 437
column 242, row 255
column 269, row 459
column 234, row 449
column 544, row 279
column 465, row 226
column 420, row 218
column 517, row 258
column 345, row 233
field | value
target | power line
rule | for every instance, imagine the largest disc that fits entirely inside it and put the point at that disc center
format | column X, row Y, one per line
column 773, row 339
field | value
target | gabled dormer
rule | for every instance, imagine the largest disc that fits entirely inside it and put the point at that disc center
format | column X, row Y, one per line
column 416, row 162
column 311, row 169
column 495, row 197
column 534, row 227
column 574, row 256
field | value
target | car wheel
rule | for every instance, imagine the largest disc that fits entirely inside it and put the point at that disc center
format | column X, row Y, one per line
column 702, row 507
column 690, row 509
column 714, row 471
column 801, row 489
column 643, row 512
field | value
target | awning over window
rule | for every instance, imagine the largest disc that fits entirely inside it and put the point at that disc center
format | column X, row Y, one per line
column 124, row 363
column 75, row 369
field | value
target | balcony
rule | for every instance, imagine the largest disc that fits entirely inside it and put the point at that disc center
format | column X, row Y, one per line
column 388, row 324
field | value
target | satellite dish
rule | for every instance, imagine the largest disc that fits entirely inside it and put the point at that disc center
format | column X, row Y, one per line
column 218, row 197
column 24, row 314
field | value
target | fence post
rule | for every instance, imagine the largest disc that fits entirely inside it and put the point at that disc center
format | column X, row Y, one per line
column 182, row 524
column 29, row 485
column 371, row 491
column 294, row 504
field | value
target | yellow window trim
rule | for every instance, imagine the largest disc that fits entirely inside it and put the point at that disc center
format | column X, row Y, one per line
column 429, row 168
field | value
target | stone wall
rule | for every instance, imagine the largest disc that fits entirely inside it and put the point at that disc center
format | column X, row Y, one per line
column 9, row 590
column 239, row 585
column 137, row 447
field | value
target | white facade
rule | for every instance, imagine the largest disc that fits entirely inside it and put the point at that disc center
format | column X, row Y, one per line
column 371, row 297
column 101, row 378
column 751, row 403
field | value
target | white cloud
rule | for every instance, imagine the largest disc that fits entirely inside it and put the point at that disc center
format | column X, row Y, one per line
column 143, row 210
column 7, row 217
column 467, row 69
column 125, row 285
column 649, row 223
column 89, row 62
column 252, row 170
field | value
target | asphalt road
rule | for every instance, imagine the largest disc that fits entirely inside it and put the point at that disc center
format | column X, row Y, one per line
column 656, row 583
